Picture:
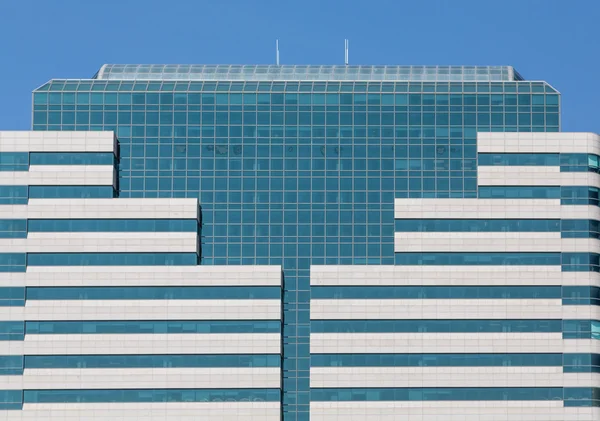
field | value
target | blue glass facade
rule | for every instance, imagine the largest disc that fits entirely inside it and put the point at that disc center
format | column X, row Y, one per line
column 298, row 173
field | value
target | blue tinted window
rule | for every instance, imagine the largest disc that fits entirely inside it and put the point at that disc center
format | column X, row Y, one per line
column 71, row 158
column 12, row 262
column 11, row 399
column 12, row 331
column 439, row 394
column 579, row 162
column 14, row 161
column 13, row 228
column 433, row 292
column 581, row 262
column 152, row 293
column 581, row 363
column 112, row 225
column 520, row 192
column 475, row 258
column 11, row 364
column 581, row 295
column 570, row 262
column 151, row 395
column 111, row 259
column 569, row 228
column 436, row 360
column 580, row 228
column 145, row 361
column 13, row 195
column 70, row 192
column 581, row 329
column 580, row 195
column 12, row 296
column 520, row 159
column 171, row 326
column 378, row 326
column 477, row 225
column 569, row 195
column 582, row 396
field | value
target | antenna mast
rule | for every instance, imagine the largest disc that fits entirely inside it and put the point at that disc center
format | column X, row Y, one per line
column 277, row 51
column 346, row 45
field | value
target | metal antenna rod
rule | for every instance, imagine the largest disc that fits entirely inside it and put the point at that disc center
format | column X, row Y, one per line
column 277, row 51
column 346, row 45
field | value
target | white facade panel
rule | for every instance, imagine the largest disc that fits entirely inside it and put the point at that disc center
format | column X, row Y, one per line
column 580, row 245
column 55, row 141
column 581, row 379
column 525, row 242
column 146, row 378
column 15, row 313
column 582, row 346
column 459, row 343
column 117, row 208
column 443, row 275
column 581, row 278
column 102, row 242
column 435, row 309
column 60, row 175
column 75, row 175
column 477, row 208
column 580, row 212
column 477, row 241
column 450, row 411
column 520, row 175
column 145, row 276
column 538, row 143
column 249, row 309
column 581, row 312
column 14, row 178
column 172, row 343
column 147, row 411
column 12, row 347
column 434, row 377
column 13, row 211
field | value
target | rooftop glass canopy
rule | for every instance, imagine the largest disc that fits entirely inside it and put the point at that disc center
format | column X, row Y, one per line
column 202, row 72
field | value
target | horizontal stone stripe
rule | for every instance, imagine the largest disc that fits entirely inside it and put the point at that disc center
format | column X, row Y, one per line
column 380, row 343
column 75, row 310
column 342, row 377
column 259, row 275
column 102, row 242
column 445, row 309
column 60, row 175
column 567, row 142
column 145, row 378
column 58, row 141
column 128, row 344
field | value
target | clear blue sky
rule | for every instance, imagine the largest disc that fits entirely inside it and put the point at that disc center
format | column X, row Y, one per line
column 553, row 40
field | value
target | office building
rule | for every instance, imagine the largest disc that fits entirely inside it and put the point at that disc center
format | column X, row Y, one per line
column 412, row 271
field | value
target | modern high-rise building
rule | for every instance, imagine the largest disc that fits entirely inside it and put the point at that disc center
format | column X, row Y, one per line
column 299, row 243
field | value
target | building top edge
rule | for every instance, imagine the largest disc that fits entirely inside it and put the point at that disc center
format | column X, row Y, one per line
column 305, row 72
